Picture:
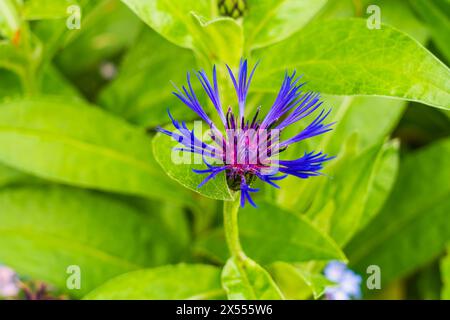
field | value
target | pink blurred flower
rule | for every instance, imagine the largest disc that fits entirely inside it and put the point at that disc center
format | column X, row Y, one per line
column 9, row 282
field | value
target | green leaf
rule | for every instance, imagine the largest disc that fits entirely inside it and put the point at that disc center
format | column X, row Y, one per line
column 383, row 178
column 445, row 275
column 412, row 228
column 297, row 283
column 270, row 233
column 142, row 92
column 270, row 21
column 349, row 191
column 351, row 59
column 244, row 279
column 337, row 204
column 400, row 15
column 54, row 83
column 172, row 19
column 437, row 20
column 9, row 176
column 46, row 9
column 178, row 282
column 397, row 14
column 344, row 201
column 341, row 204
column 360, row 124
column 172, row 220
column 44, row 230
column 220, row 40
column 67, row 147
column 216, row 188
column 372, row 118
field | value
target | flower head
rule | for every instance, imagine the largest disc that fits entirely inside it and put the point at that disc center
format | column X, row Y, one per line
column 348, row 283
column 248, row 148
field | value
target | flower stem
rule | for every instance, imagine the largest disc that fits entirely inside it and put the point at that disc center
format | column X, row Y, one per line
column 230, row 223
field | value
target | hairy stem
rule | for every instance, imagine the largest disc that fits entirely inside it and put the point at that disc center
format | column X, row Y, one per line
column 230, row 222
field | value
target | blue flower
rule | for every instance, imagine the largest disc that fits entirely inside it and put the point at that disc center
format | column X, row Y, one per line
column 248, row 148
column 348, row 283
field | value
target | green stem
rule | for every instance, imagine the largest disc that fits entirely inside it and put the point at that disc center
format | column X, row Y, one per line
column 230, row 223
column 29, row 83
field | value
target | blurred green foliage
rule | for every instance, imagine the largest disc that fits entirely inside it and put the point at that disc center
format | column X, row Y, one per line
column 85, row 181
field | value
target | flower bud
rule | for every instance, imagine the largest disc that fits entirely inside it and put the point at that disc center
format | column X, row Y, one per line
column 232, row 8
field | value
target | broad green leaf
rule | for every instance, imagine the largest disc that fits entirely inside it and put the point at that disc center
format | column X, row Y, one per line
column 349, row 190
column 244, row 279
column 311, row 189
column 177, row 282
column 270, row 21
column 361, row 121
column 400, row 15
column 445, row 275
column 270, row 233
column 383, row 178
column 297, row 283
column 397, row 14
column 142, row 92
column 9, row 176
column 412, row 227
column 437, row 20
column 172, row 18
column 351, row 59
column 46, row 9
column 179, row 165
column 372, row 118
column 338, row 203
column 219, row 40
column 339, row 10
column 44, row 230
column 73, row 143
column 173, row 221
column 54, row 83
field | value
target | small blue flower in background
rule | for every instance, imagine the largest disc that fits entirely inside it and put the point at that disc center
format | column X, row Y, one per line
column 246, row 147
column 348, row 283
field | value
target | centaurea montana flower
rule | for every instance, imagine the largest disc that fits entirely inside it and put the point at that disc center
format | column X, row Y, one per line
column 248, row 147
